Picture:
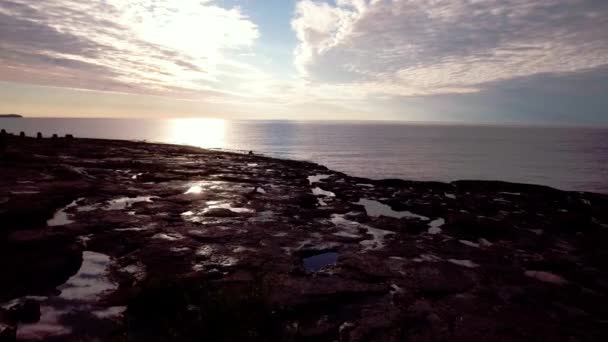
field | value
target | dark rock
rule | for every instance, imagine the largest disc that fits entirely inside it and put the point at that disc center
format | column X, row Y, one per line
column 54, row 136
column 229, row 275
column 291, row 291
column 22, row 134
column 3, row 143
column 8, row 332
column 39, row 135
column 69, row 136
column 220, row 212
column 27, row 311
column 470, row 226
column 306, row 201
column 371, row 269
column 46, row 260
column 441, row 279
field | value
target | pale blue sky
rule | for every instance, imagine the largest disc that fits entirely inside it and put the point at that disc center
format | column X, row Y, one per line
column 504, row 61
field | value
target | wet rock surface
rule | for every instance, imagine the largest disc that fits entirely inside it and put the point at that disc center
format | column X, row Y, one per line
column 118, row 240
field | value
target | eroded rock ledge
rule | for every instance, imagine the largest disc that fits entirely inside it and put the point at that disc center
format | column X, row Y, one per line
column 129, row 240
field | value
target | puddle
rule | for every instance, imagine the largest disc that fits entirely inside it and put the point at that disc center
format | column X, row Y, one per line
column 317, row 262
column 134, row 229
column 348, row 228
column 469, row 243
column 320, row 192
column 90, row 281
column 168, row 236
column 241, row 249
column 377, row 241
column 481, row 242
column 199, row 187
column 126, row 202
column 76, row 305
column 25, row 192
column 197, row 216
column 61, row 217
column 485, row 243
column 351, row 229
column 452, row 196
column 317, row 178
column 229, row 207
column 396, row 289
column 365, row 185
column 347, row 235
column 546, row 277
column 321, row 202
column 427, row 257
column 195, row 189
column 85, row 208
column 260, row 190
column 434, row 226
column 375, row 209
column 463, row 263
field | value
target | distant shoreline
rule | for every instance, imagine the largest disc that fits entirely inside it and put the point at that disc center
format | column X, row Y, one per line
column 11, row 116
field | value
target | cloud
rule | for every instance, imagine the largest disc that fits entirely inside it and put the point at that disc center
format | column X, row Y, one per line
column 148, row 46
column 411, row 59
column 427, row 47
column 549, row 98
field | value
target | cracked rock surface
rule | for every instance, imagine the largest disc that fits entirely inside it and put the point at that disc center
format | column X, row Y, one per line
column 118, row 240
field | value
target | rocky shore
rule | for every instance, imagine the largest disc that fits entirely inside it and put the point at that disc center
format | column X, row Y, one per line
column 117, row 240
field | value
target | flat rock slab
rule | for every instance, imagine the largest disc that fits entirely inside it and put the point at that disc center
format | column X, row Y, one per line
column 208, row 245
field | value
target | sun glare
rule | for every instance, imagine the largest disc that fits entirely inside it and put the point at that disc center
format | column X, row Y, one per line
column 207, row 133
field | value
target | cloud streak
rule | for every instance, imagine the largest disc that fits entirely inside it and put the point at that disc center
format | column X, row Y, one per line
column 155, row 47
column 420, row 47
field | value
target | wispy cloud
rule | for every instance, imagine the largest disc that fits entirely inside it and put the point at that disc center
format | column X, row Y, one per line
column 421, row 47
column 393, row 58
column 158, row 47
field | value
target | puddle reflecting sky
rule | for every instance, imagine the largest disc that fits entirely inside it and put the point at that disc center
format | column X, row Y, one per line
column 126, row 202
column 61, row 217
column 375, row 209
column 76, row 305
column 317, row 262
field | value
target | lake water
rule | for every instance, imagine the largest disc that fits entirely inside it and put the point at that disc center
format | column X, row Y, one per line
column 565, row 158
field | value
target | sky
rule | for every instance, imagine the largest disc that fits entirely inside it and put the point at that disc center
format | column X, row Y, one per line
column 488, row 61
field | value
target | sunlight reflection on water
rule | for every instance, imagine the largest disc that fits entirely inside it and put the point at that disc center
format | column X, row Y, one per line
column 202, row 132
column 570, row 158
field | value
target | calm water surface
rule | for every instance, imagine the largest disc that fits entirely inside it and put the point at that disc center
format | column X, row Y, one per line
column 566, row 158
